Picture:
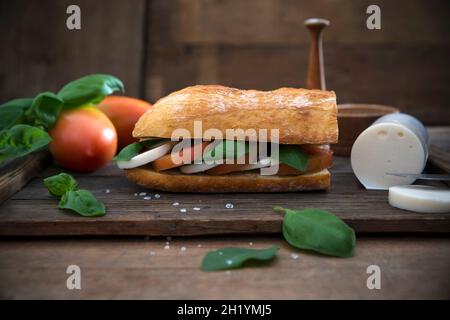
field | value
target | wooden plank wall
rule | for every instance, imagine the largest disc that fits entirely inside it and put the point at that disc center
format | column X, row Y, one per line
column 160, row 46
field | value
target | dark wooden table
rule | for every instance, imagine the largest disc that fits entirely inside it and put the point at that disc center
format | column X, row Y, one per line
column 412, row 267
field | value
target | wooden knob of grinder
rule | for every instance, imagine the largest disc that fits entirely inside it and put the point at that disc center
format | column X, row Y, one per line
column 315, row 78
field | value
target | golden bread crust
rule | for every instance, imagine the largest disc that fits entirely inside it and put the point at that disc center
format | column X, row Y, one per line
column 302, row 116
column 243, row 182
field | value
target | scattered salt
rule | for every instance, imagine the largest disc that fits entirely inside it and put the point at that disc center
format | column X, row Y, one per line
column 250, row 243
column 183, row 210
column 147, row 198
column 294, row 256
column 229, row 262
column 152, row 253
column 220, row 253
column 142, row 194
column 183, row 249
column 196, row 209
column 157, row 196
column 199, row 246
column 108, row 191
column 166, row 247
column 135, row 194
column 229, row 206
column 175, row 204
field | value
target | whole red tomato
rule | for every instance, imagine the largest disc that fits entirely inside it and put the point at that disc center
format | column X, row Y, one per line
column 124, row 112
column 83, row 139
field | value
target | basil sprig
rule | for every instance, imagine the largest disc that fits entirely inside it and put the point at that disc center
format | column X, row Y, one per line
column 41, row 113
column 21, row 140
column 318, row 230
column 293, row 156
column 81, row 201
column 89, row 89
column 132, row 150
column 230, row 258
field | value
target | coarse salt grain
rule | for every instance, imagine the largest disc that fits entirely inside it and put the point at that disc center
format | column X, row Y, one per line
column 135, row 194
column 166, row 247
column 108, row 191
column 152, row 253
column 142, row 194
column 183, row 249
column 183, row 210
column 196, row 209
column 229, row 262
column 250, row 243
column 199, row 246
column 229, row 206
column 147, row 198
column 294, row 256
column 157, row 196
column 175, row 204
column 220, row 253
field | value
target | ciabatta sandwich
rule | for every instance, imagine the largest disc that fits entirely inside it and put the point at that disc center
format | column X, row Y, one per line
column 299, row 154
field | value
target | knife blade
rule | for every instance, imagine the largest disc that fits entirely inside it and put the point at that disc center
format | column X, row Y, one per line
column 422, row 176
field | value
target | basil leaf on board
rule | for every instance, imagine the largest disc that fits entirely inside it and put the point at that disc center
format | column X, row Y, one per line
column 83, row 202
column 89, row 89
column 227, row 149
column 132, row 150
column 21, row 140
column 60, row 184
column 230, row 258
column 293, row 156
column 12, row 112
column 44, row 110
column 318, row 230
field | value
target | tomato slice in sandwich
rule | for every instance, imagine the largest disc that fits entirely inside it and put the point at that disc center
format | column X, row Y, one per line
column 316, row 162
column 166, row 162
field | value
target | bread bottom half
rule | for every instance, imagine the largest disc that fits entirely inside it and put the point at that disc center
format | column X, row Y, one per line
column 246, row 182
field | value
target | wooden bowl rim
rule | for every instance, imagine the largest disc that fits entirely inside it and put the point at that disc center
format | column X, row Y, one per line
column 373, row 110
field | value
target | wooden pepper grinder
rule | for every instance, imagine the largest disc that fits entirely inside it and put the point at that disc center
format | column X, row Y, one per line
column 315, row 78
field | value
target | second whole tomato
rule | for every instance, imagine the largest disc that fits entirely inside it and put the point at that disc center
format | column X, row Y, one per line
column 83, row 139
column 124, row 112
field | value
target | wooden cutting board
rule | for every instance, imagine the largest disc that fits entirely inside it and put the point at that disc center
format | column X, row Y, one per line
column 33, row 212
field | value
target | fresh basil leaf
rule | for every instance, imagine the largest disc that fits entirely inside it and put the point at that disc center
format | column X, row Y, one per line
column 227, row 149
column 128, row 152
column 132, row 150
column 21, row 140
column 230, row 258
column 318, row 230
column 44, row 110
column 293, row 156
column 83, row 202
column 60, row 184
column 89, row 89
column 12, row 112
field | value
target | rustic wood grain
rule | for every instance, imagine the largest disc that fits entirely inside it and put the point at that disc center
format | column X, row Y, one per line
column 16, row 174
column 40, row 54
column 411, row 268
column 33, row 212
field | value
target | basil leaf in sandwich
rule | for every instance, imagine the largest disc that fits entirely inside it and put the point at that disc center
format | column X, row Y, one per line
column 226, row 149
column 132, row 150
column 293, row 156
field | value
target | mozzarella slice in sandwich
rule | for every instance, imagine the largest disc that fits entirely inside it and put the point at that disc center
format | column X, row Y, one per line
column 146, row 157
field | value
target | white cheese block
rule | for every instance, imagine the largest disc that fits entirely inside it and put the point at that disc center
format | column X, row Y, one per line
column 387, row 147
column 417, row 198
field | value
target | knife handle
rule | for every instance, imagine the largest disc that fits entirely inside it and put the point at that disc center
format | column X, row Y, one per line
column 315, row 78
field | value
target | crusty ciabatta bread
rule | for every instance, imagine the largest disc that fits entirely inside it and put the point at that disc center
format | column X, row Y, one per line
column 302, row 116
column 243, row 182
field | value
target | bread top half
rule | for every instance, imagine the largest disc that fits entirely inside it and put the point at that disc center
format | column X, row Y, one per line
column 302, row 116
